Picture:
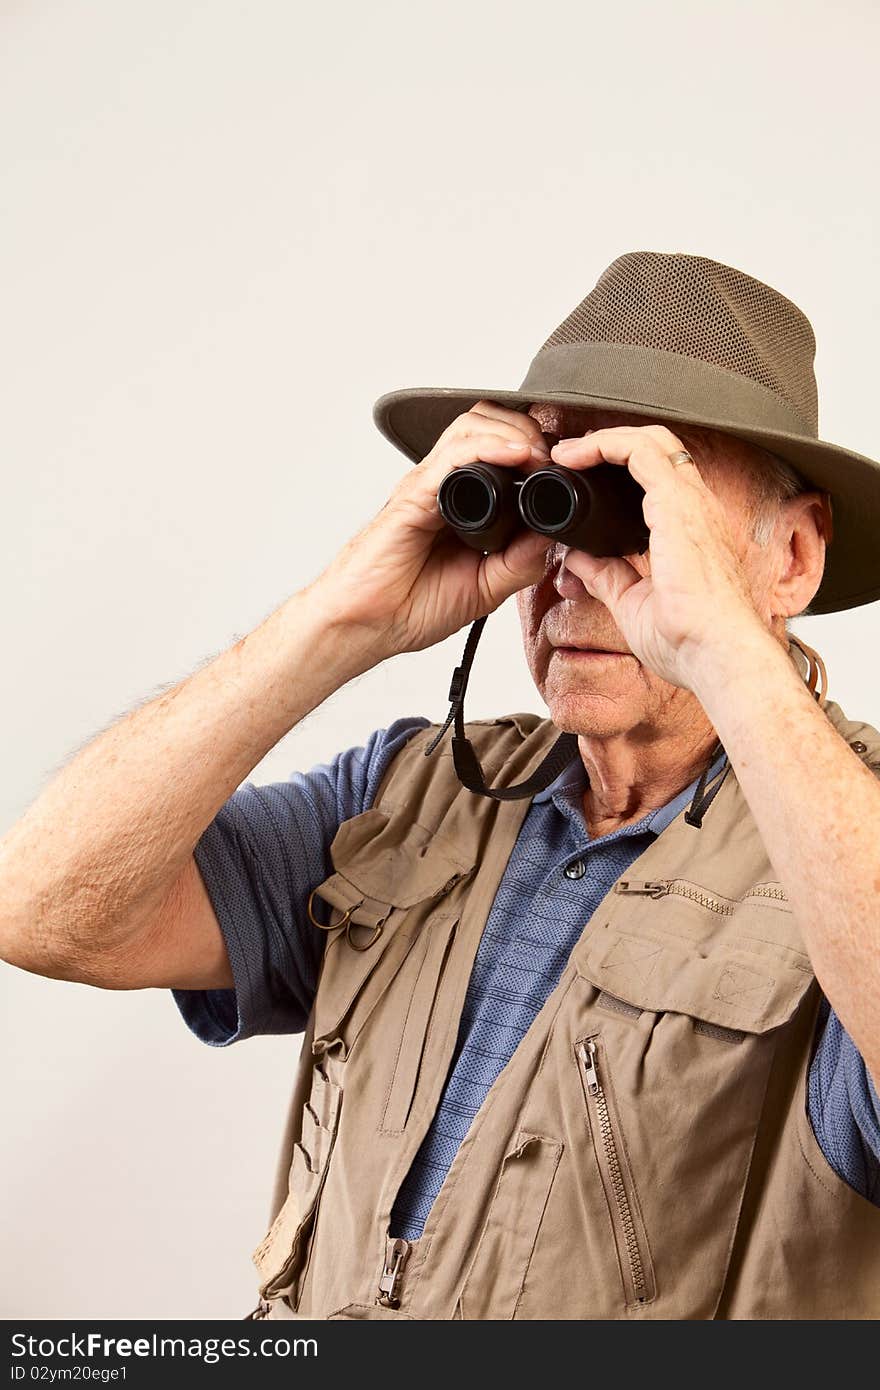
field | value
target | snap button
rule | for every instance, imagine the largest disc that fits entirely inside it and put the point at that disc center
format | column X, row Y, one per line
column 576, row 869
column 859, row 747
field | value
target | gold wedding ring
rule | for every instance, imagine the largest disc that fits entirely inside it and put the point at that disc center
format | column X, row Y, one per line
column 679, row 457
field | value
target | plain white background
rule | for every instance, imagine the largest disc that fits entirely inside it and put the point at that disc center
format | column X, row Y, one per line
column 225, row 230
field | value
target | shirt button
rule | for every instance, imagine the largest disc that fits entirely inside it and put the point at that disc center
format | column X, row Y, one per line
column 576, row 869
column 859, row 747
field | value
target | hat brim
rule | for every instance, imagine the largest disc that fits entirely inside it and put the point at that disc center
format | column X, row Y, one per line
column 412, row 419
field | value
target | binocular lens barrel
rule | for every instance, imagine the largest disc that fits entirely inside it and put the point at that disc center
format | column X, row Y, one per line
column 479, row 502
column 469, row 500
column 597, row 509
column 548, row 502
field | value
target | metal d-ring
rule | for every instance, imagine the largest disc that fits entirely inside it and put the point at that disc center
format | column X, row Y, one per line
column 327, row 926
column 344, row 921
column 377, row 932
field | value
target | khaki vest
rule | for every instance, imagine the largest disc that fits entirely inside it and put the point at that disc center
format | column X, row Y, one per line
column 646, row 1153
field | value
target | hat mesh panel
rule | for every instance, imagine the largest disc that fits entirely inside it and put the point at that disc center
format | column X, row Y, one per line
column 700, row 308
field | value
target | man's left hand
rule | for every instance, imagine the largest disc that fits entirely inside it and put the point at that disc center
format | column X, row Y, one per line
column 696, row 592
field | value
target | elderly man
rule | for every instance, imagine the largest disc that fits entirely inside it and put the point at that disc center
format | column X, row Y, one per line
column 592, row 1035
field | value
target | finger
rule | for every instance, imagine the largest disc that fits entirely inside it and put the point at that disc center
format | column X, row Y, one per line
column 419, row 487
column 486, row 417
column 460, row 450
column 666, row 441
column 607, row 578
column 519, row 564
column 644, row 449
column 516, row 420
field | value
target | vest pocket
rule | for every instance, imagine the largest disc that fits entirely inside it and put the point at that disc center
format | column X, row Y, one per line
column 674, row 1094
column 282, row 1255
column 495, row 1280
column 390, row 884
column 424, row 967
column 366, row 1312
column 633, row 1254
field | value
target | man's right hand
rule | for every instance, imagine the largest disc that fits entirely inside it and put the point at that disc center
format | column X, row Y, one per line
column 407, row 577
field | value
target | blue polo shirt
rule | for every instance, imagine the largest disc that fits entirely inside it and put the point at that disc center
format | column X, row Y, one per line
column 268, row 847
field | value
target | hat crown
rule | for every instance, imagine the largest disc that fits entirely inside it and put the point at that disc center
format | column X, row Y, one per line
column 701, row 309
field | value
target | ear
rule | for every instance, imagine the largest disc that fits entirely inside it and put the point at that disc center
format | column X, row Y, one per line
column 803, row 533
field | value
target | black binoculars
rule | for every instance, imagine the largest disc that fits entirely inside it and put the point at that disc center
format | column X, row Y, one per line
column 596, row 509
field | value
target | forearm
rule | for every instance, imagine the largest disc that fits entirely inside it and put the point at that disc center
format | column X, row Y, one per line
column 817, row 808
column 100, row 849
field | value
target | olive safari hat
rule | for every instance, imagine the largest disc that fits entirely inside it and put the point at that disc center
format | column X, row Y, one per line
column 688, row 340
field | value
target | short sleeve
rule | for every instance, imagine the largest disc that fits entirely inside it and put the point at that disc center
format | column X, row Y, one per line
column 260, row 858
column 844, row 1107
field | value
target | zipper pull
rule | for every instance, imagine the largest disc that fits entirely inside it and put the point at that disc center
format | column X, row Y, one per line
column 389, row 1284
column 587, row 1052
column 649, row 890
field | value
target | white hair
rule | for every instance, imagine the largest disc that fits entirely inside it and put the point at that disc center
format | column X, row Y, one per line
column 775, row 482
column 772, row 481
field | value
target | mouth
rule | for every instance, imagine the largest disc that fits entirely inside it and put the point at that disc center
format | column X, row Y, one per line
column 582, row 652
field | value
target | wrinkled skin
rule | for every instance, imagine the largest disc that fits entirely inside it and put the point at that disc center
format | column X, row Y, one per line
column 642, row 737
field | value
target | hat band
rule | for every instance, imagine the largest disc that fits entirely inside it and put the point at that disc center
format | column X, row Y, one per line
column 635, row 375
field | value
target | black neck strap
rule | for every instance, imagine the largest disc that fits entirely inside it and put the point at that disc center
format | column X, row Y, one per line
column 467, row 764
column 701, row 800
column 563, row 752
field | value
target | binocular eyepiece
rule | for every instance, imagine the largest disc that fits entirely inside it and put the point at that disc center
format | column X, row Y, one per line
column 596, row 509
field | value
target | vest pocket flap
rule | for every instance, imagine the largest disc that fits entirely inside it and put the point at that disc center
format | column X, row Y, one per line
column 733, row 989
column 316, row 1140
column 369, row 1312
column 424, row 969
column 494, row 1282
column 278, row 1241
column 383, row 859
column 283, row 1252
column 276, row 1257
column 324, row 1098
column 391, row 878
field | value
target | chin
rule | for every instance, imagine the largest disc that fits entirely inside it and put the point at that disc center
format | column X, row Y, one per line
column 591, row 713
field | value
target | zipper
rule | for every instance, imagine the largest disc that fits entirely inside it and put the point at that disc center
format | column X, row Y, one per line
column 588, row 1055
column 679, row 887
column 389, row 1284
column 648, row 890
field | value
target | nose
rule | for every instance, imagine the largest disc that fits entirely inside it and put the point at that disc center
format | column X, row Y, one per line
column 566, row 584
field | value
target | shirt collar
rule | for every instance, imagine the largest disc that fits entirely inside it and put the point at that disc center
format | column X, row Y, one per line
column 574, row 776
